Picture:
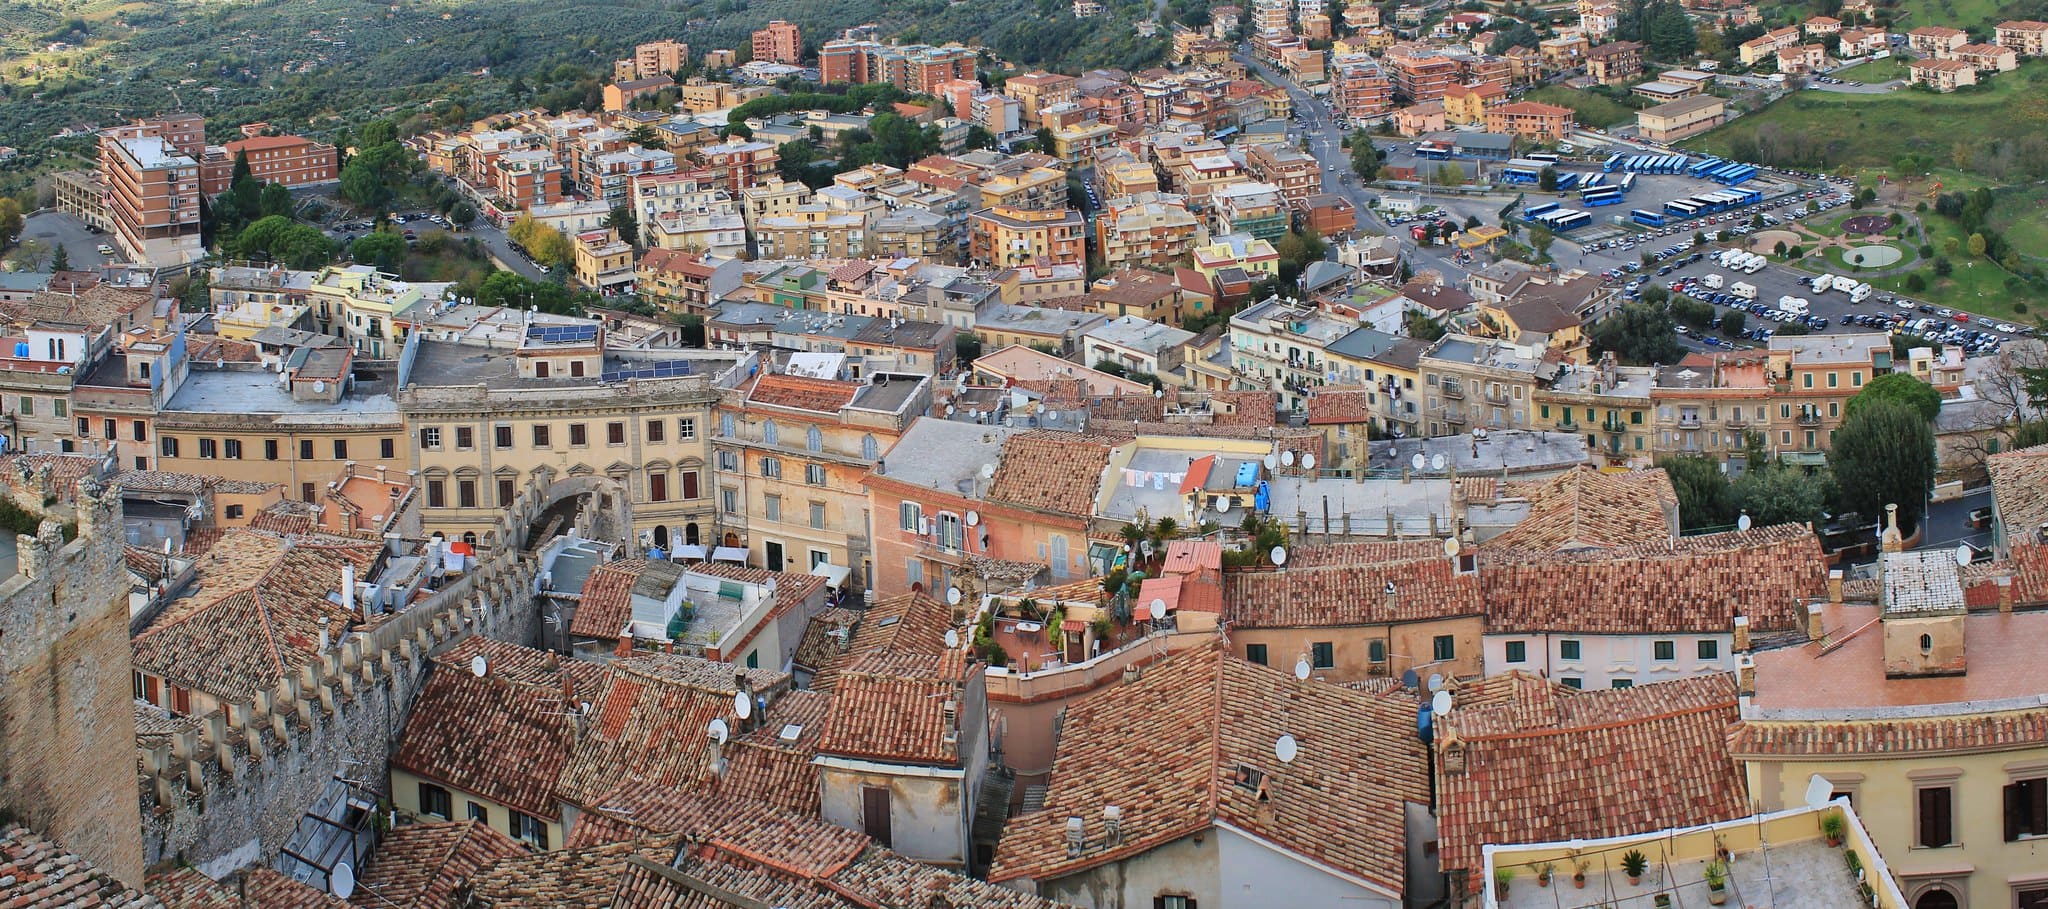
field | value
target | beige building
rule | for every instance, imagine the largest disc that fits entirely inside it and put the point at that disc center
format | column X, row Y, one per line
column 1684, row 117
column 152, row 198
column 2027, row 37
column 1941, row 75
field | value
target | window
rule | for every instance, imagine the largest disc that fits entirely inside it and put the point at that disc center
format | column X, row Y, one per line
column 913, row 572
column 1322, row 655
column 530, row 830
column 1568, row 650
column 341, row 449
column 437, row 494
column 1710, row 650
column 770, row 433
column 729, row 500
column 771, row 508
column 728, row 460
column 169, row 446
column 1173, row 902
column 1834, row 380
column 907, row 514
column 725, row 425
column 540, row 435
column 232, row 448
column 465, row 437
column 234, row 511
column 110, row 428
column 1664, row 651
column 579, row 435
column 465, row 493
column 505, row 493
column 207, row 448
column 817, row 516
column 657, row 430
column 771, row 467
column 813, row 439
column 1518, row 652
column 657, row 485
column 690, row 489
column 615, row 433
column 28, row 406
column 434, row 800
column 814, row 474
column 2026, row 809
column 387, row 448
column 1622, row 683
column 478, row 812
column 1446, row 647
column 868, row 449
column 1936, row 824
column 1571, row 682
column 952, row 533
column 686, row 429
column 1376, row 651
column 501, row 435
column 1255, row 653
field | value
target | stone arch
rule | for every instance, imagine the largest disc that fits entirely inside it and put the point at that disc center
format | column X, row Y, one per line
column 596, row 501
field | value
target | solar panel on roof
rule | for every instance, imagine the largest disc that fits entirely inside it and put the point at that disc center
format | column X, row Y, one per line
column 664, row 370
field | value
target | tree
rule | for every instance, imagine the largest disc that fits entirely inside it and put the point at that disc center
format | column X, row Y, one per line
column 1111, row 366
column 1915, row 283
column 1450, row 174
column 1777, row 493
column 966, row 347
column 1884, row 455
column 1897, row 388
column 1704, row 497
column 275, row 200
column 362, row 185
column 1540, row 239
column 978, row 136
column 241, row 171
column 1639, row 334
column 463, row 214
column 31, row 255
column 1733, row 321
column 1943, row 267
column 382, row 249
column 645, row 136
column 60, row 258
column 1423, row 328
column 1656, row 294
column 1365, row 157
column 1977, row 245
column 622, row 221
column 1779, row 250
column 10, row 221
column 550, row 247
column 1546, row 179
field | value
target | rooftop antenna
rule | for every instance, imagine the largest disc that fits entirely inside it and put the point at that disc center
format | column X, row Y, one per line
column 478, row 666
column 1272, row 460
column 1436, row 462
column 1964, row 554
column 1285, row 749
column 973, row 517
column 1440, row 703
column 1743, row 522
column 1287, row 459
column 718, row 731
column 1308, row 460
column 1279, row 555
column 342, row 881
column 1436, row 681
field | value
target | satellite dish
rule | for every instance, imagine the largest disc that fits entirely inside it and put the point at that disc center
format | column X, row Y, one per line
column 718, row 730
column 949, row 410
column 987, row 471
column 952, row 596
column 342, row 881
column 1409, row 679
column 1964, row 554
column 1158, row 607
column 742, row 704
column 1450, row 547
column 1287, row 459
column 1308, row 460
column 1742, row 523
column 1418, row 461
column 319, row 385
column 952, row 638
column 1440, row 703
column 1819, row 791
column 1285, row 749
column 1222, row 504
column 1436, row 681
column 1279, row 555
column 1272, row 460
column 478, row 666
column 1301, row 669
column 973, row 517
column 1436, row 462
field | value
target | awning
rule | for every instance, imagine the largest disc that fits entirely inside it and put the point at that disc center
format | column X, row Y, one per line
column 729, row 554
column 834, row 575
column 687, row 551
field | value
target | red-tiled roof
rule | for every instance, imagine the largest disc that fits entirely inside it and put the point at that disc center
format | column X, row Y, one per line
column 1059, row 472
column 1962, row 733
column 1547, row 764
column 1426, row 586
column 423, row 866
column 36, row 873
column 650, row 724
column 892, row 707
column 803, row 393
column 1588, row 508
column 912, row 623
column 1339, row 406
column 1168, row 750
column 607, row 603
column 1695, row 584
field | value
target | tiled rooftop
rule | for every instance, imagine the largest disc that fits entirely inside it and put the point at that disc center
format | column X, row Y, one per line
column 36, row 873
column 1051, row 471
column 891, row 707
column 1588, row 508
column 1170, row 749
column 1693, row 584
column 423, row 866
column 2004, row 669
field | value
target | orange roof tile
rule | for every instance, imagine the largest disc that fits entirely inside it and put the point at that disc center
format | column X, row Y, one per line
column 1588, row 508
column 607, row 603
column 1694, row 584
column 892, row 707
column 36, row 873
column 1059, row 472
column 802, row 393
column 423, row 866
column 1426, row 586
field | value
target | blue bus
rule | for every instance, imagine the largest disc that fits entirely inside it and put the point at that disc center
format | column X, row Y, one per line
column 1681, row 208
column 1595, row 180
column 1704, row 166
column 1567, row 180
column 1571, row 222
column 1432, row 151
column 1536, row 211
column 1628, row 183
column 1748, row 196
column 1647, row 218
column 1606, row 196
column 1519, row 174
column 1612, row 163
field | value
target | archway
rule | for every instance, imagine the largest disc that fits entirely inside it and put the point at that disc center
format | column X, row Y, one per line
column 691, row 537
column 470, row 538
column 661, row 536
column 1937, row 898
column 731, row 539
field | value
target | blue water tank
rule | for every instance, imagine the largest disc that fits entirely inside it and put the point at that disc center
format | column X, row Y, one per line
column 21, row 350
column 1424, row 724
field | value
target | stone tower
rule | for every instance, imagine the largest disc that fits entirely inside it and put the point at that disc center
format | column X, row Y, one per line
column 67, row 712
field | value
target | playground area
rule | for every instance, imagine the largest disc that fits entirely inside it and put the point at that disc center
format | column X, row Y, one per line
column 1865, row 225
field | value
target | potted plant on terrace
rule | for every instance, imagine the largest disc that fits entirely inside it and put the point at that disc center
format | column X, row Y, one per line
column 1579, row 867
column 1634, row 864
column 1502, row 877
column 1543, row 873
column 1717, row 883
column 1832, row 826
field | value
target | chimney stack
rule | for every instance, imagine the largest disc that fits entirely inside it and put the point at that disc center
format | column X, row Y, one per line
column 1814, row 628
column 1077, row 835
column 2004, row 593
column 1835, row 585
column 1113, row 825
column 348, row 585
column 1742, row 634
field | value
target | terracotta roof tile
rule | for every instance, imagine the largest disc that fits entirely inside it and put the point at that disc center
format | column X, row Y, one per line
column 607, row 603
column 1548, row 764
column 649, row 725
column 36, row 873
column 1051, row 471
column 1168, row 751
column 803, row 393
column 912, row 623
column 1588, row 508
column 892, row 706
column 586, row 876
column 2019, row 489
column 187, row 888
column 820, row 645
column 270, row 889
column 1339, row 406
column 1426, row 586
column 1999, row 731
column 1694, row 584
column 423, row 866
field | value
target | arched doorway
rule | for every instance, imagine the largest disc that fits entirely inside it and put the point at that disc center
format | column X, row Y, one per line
column 661, row 536
column 1937, row 899
column 731, row 539
column 470, row 538
column 691, row 536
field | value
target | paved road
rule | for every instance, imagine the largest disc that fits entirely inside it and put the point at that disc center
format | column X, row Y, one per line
column 1845, row 88
column 59, row 229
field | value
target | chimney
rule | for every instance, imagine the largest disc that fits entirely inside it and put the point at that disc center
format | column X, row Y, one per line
column 1814, row 629
column 1745, row 675
column 1742, row 634
column 1892, row 540
column 348, row 585
column 324, row 636
column 1113, row 825
column 1835, row 585
column 1077, row 835
column 2004, row 582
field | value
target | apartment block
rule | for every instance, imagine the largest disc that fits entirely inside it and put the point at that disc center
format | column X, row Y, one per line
column 1941, row 75
column 917, row 68
column 1466, row 105
column 288, row 160
column 2025, row 36
column 1937, row 41
column 152, row 198
column 1013, row 236
column 1037, row 91
column 1804, row 58
column 779, row 42
column 657, row 58
column 1150, row 228
column 1421, row 73
column 813, row 232
column 1989, row 58
column 1531, row 120
column 739, row 164
column 1360, row 87
column 1681, row 118
column 1615, row 62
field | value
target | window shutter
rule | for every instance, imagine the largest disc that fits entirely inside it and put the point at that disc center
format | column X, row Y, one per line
column 2038, row 791
column 2015, row 803
column 1159, row 902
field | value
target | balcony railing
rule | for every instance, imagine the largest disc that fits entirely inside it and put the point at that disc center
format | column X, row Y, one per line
column 1614, row 425
column 1688, row 421
column 1452, row 391
column 1495, row 397
column 1809, row 418
column 1735, row 421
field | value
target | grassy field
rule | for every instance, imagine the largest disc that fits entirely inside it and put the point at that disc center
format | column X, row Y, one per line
column 1956, row 13
column 2022, row 216
column 1592, row 109
column 1813, row 128
column 1876, row 71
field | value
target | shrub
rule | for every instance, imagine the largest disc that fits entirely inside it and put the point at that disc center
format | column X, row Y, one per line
column 1915, row 283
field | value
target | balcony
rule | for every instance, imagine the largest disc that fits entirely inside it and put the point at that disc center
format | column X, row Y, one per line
column 1457, row 417
column 1453, row 391
column 1495, row 396
column 1688, row 421
column 1735, row 420
column 1614, row 425
column 930, row 549
column 1566, row 425
column 1809, row 418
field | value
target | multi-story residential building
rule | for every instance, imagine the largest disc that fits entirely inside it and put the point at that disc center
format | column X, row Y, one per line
column 1768, row 44
column 1676, row 120
column 1280, row 345
column 1615, row 62
column 1821, row 26
column 916, row 68
column 1937, row 41
column 1794, row 397
column 1005, row 236
column 1466, row 105
column 1119, row 174
column 1254, row 209
column 739, row 164
column 288, row 160
column 2025, row 36
column 913, row 233
column 684, row 282
column 1858, row 42
column 1471, row 382
column 779, row 42
column 1270, row 16
column 603, row 262
column 370, row 309
column 1360, row 88
column 1421, row 119
column 1421, row 72
column 1136, row 344
column 1803, row 58
column 1293, row 172
column 792, row 452
column 152, row 197
column 1078, row 142
column 526, row 179
column 655, row 58
column 1037, row 91
column 1941, row 75
column 1531, row 120
column 814, row 232
column 1030, row 188
column 619, row 96
column 1151, row 228
column 1608, row 404
column 1989, row 58
column 1252, row 258
column 612, row 173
